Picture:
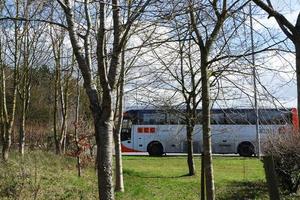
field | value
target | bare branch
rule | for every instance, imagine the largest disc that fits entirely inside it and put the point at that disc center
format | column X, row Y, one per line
column 285, row 25
column 34, row 20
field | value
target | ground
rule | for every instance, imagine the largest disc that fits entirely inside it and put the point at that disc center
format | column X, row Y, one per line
column 42, row 175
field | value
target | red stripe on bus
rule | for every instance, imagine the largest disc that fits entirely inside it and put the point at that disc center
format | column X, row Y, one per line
column 126, row 149
column 295, row 119
column 146, row 130
column 140, row 130
column 152, row 130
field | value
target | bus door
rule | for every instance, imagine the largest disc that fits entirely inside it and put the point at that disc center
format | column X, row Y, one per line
column 139, row 137
column 223, row 139
column 126, row 136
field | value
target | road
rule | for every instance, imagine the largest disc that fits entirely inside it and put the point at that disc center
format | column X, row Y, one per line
column 174, row 154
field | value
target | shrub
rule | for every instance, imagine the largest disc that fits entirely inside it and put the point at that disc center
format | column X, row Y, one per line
column 285, row 149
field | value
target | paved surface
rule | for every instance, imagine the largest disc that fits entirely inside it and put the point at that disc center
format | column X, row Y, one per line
column 173, row 154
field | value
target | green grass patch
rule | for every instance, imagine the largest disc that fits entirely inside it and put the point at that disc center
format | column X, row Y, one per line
column 42, row 175
column 166, row 178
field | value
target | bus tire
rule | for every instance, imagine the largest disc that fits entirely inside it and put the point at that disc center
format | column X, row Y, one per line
column 155, row 148
column 246, row 149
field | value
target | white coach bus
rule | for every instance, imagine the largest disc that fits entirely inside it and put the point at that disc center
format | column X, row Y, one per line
column 233, row 130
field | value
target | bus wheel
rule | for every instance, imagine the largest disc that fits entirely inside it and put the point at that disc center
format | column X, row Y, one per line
column 155, row 149
column 246, row 149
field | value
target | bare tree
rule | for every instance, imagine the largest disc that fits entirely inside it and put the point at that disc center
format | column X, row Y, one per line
column 8, row 114
column 101, row 108
column 57, row 43
column 291, row 31
column 185, row 80
column 64, row 105
column 32, row 52
column 206, row 41
column 20, row 53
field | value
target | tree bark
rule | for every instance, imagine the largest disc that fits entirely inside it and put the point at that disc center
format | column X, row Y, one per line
column 190, row 156
column 119, row 186
column 208, row 167
column 202, row 192
column 60, row 95
column 76, row 125
column 4, row 117
column 64, row 98
column 24, row 88
column 56, row 52
column 55, row 108
column 271, row 178
column 2, row 127
column 297, row 48
column 104, row 132
column 22, row 131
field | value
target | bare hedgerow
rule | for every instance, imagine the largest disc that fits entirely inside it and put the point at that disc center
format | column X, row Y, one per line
column 285, row 149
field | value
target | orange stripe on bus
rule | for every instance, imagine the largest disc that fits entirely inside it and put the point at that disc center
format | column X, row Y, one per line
column 126, row 149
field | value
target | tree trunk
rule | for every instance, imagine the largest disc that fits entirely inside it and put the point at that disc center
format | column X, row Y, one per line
column 271, row 178
column 57, row 50
column 297, row 47
column 22, row 129
column 202, row 195
column 8, row 121
column 6, row 140
column 190, row 156
column 76, row 125
column 104, row 133
column 206, row 129
column 3, row 109
column 119, row 187
column 55, row 108
column 24, row 91
column 64, row 88
column 9, row 117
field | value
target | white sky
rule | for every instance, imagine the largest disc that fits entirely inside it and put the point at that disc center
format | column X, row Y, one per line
column 284, row 84
column 281, row 84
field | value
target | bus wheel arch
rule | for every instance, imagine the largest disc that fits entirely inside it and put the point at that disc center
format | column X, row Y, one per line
column 246, row 149
column 155, row 148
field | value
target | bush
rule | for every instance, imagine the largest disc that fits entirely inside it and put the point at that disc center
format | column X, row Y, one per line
column 18, row 182
column 285, row 149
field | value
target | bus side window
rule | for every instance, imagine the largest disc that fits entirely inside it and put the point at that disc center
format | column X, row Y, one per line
column 174, row 118
column 217, row 118
column 237, row 117
column 251, row 117
column 199, row 118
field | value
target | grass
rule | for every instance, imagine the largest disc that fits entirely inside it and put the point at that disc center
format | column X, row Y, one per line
column 42, row 175
column 165, row 178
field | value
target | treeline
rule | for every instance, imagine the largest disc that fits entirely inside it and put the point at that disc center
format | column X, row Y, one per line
column 40, row 114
